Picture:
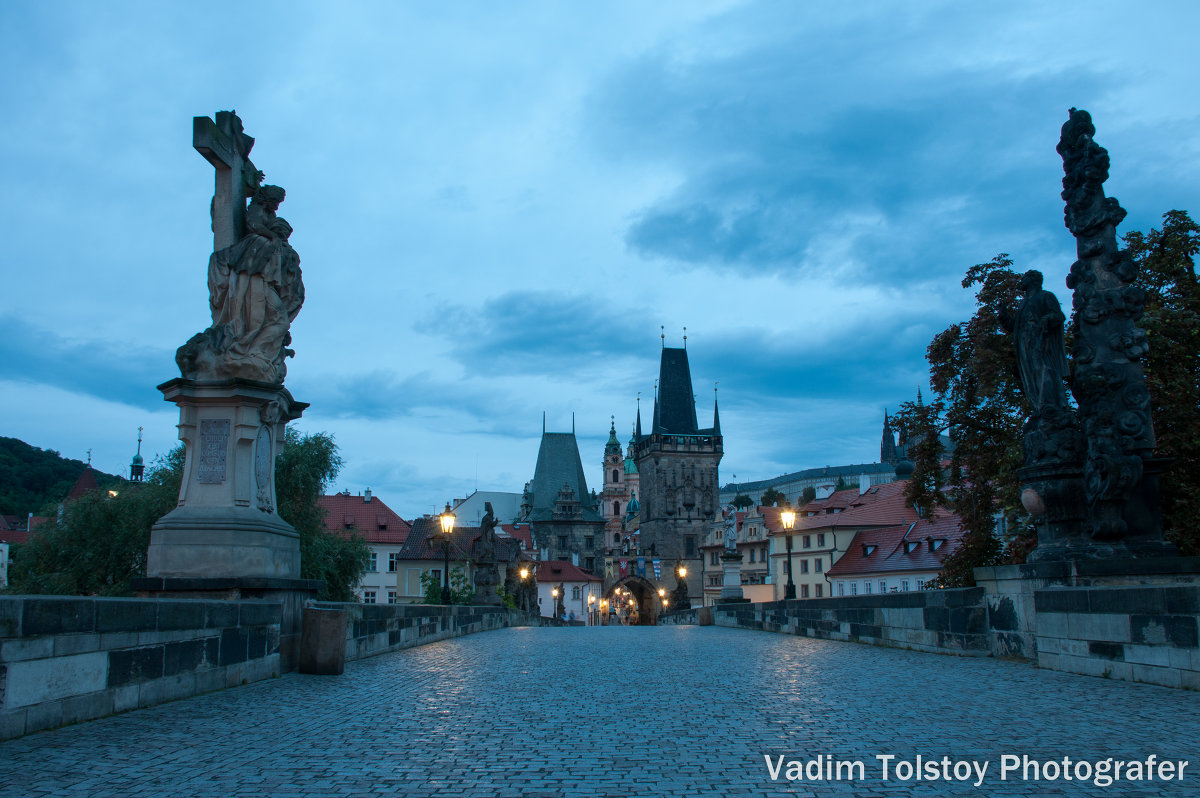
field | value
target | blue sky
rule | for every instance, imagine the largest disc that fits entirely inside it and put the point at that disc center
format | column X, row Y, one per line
column 497, row 204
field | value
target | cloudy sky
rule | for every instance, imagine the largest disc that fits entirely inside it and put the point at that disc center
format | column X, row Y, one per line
column 498, row 204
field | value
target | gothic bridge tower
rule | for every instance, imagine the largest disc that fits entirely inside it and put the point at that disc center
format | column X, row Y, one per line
column 677, row 467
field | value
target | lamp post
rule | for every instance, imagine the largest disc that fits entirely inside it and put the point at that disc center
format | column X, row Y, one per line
column 446, row 519
column 681, row 591
column 789, row 522
column 591, row 608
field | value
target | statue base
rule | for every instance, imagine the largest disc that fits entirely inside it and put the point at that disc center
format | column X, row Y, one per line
column 226, row 525
column 731, row 579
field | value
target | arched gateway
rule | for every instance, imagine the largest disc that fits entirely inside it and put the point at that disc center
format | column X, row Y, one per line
column 633, row 600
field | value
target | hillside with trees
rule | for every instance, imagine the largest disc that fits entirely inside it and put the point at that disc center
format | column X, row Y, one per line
column 33, row 479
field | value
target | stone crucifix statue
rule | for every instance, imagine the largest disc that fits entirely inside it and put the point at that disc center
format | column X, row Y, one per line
column 254, row 280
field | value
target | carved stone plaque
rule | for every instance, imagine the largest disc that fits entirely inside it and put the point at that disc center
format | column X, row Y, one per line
column 262, row 468
column 214, row 442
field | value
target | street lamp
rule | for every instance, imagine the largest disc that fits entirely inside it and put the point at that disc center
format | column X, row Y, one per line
column 789, row 522
column 446, row 519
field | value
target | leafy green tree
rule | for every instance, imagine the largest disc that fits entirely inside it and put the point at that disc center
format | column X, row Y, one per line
column 742, row 501
column 924, row 490
column 772, row 497
column 461, row 592
column 807, row 495
column 1166, row 259
column 304, row 469
column 100, row 541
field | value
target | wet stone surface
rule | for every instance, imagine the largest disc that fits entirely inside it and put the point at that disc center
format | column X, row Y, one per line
column 619, row 711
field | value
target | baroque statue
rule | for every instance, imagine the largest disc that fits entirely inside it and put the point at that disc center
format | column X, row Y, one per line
column 255, row 288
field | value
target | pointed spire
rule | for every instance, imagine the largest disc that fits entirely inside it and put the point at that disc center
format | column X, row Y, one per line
column 637, row 426
column 716, row 412
column 919, row 402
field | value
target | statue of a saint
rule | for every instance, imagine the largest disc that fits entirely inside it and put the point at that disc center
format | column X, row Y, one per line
column 487, row 534
column 1041, row 352
column 255, row 291
column 730, row 534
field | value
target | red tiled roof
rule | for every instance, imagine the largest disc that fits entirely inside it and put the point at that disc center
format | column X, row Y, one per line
column 521, row 532
column 563, row 571
column 13, row 536
column 891, row 549
column 85, row 484
column 425, row 541
column 374, row 520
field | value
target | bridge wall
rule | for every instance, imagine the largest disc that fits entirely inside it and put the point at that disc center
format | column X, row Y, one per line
column 943, row 621
column 378, row 628
column 70, row 659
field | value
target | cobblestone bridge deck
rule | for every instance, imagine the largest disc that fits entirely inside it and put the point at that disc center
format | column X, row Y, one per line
column 616, row 711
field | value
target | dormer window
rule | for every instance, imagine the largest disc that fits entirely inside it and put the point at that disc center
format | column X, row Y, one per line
column 868, row 549
column 935, row 543
column 910, row 546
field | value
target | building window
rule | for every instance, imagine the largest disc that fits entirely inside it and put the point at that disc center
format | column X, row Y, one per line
column 393, row 559
column 588, row 542
column 820, row 538
column 616, row 508
column 368, row 597
column 904, row 585
column 817, row 565
column 616, row 478
column 712, row 558
column 763, row 554
column 689, row 546
column 882, row 585
column 803, row 591
column 616, row 538
column 562, row 541
column 920, row 584
column 575, row 593
column 818, row 589
column 391, row 597
column 436, row 576
column 804, row 566
column 841, row 588
column 590, row 564
column 808, row 541
column 854, row 588
column 751, row 555
column 866, row 586
column 372, row 562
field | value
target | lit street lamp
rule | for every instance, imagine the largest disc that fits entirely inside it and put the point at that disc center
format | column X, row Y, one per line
column 789, row 522
column 446, row 519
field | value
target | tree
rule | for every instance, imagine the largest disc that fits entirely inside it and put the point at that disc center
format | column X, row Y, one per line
column 842, row 484
column 742, row 501
column 1166, row 260
column 773, row 497
column 807, row 495
column 923, row 422
column 100, row 541
column 304, row 469
column 461, row 592
column 33, row 479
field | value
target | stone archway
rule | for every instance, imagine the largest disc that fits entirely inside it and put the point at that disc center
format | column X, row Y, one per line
column 633, row 600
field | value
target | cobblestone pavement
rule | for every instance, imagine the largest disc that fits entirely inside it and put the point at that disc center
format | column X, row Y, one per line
column 618, row 711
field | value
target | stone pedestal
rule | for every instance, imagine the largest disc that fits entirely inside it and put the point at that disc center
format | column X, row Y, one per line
column 731, row 582
column 226, row 524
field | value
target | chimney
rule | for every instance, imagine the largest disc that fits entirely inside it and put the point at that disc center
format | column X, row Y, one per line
column 864, row 483
column 367, row 496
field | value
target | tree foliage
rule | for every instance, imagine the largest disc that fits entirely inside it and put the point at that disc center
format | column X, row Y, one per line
column 1166, row 259
column 807, row 495
column 773, row 498
column 100, row 541
column 742, row 501
column 304, row 469
column 461, row 591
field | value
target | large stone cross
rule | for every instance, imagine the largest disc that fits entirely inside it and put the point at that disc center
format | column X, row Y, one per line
column 227, row 148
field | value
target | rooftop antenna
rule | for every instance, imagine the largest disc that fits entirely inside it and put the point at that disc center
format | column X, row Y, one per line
column 685, row 337
column 543, row 422
column 662, row 333
column 89, row 462
column 572, row 422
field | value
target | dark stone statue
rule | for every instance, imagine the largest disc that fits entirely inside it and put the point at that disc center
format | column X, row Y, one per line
column 1041, row 352
column 485, row 559
column 1119, row 469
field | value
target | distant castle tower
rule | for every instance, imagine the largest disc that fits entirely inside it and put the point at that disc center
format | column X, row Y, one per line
column 677, row 468
column 887, row 447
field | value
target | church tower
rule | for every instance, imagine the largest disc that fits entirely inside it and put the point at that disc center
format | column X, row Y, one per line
column 677, row 468
column 614, row 498
column 887, row 446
